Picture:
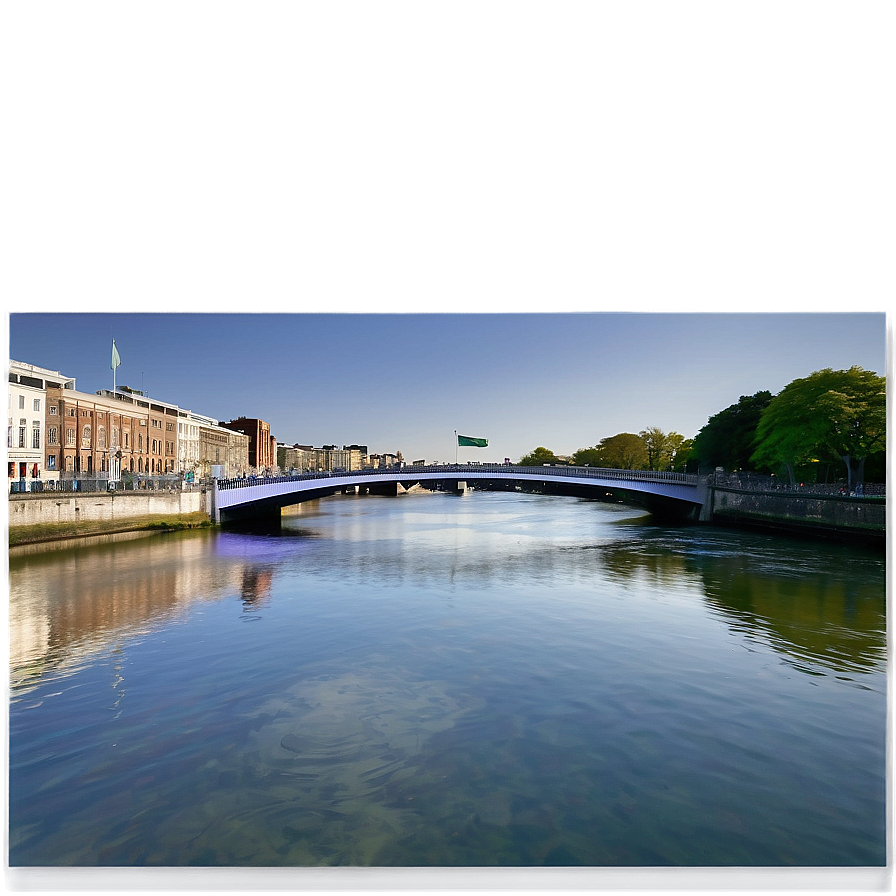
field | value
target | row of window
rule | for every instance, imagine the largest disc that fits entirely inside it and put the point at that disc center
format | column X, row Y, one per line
column 23, row 435
column 22, row 403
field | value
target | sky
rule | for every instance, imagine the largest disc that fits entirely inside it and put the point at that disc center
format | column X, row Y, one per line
column 591, row 159
column 407, row 382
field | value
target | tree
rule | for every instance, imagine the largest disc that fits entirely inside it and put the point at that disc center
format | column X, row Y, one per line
column 660, row 447
column 831, row 413
column 679, row 461
column 587, row 457
column 624, row 451
column 538, row 457
column 728, row 438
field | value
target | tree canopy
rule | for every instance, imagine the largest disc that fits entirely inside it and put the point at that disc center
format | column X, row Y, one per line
column 624, row 451
column 831, row 413
column 538, row 457
column 728, row 438
column 661, row 447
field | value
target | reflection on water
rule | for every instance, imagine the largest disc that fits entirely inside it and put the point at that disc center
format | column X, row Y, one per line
column 818, row 606
column 435, row 680
column 67, row 605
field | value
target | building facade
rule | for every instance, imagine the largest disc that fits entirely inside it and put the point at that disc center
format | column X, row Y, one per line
column 262, row 448
column 109, row 435
column 221, row 450
column 27, row 422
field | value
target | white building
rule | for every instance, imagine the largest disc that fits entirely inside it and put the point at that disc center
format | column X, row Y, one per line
column 188, row 459
column 27, row 420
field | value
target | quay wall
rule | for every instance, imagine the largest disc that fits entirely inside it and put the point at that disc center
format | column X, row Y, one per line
column 44, row 508
column 48, row 517
column 831, row 515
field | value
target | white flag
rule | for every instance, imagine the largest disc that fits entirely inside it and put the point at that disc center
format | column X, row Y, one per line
column 116, row 359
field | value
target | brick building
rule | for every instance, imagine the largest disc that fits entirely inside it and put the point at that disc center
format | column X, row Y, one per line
column 262, row 448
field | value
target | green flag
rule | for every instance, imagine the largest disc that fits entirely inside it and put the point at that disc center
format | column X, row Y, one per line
column 116, row 360
column 470, row 442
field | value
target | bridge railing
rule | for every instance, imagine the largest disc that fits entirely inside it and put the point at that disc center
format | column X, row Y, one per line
column 466, row 469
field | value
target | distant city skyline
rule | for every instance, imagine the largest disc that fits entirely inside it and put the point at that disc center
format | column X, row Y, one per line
column 407, row 382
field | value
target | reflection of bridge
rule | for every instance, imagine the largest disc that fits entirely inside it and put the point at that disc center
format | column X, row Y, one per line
column 665, row 494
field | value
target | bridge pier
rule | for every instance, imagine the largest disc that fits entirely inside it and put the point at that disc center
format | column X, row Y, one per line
column 257, row 520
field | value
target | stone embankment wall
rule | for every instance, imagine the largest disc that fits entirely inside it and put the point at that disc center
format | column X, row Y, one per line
column 32, row 510
column 821, row 514
column 45, row 516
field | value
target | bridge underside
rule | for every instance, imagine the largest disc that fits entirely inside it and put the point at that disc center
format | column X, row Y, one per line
column 265, row 512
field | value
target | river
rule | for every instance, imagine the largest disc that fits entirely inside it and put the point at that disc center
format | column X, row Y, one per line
column 494, row 679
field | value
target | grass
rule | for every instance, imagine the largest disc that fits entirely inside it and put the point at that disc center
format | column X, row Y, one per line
column 41, row 532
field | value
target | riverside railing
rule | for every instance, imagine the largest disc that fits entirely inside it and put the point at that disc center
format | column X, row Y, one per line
column 584, row 473
column 102, row 484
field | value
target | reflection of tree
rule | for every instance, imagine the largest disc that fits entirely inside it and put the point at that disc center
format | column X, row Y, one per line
column 812, row 616
column 624, row 560
column 812, row 611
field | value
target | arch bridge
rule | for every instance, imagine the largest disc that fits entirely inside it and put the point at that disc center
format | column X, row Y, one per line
column 667, row 495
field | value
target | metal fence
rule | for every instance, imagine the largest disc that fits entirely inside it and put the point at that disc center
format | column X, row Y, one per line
column 408, row 471
column 93, row 484
column 757, row 482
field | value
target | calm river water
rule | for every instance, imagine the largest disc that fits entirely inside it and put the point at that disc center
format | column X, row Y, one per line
column 437, row 680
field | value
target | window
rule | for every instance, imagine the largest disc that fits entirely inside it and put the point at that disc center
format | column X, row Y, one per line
column 22, row 402
column 127, row 441
column 35, row 437
column 53, row 435
column 156, row 424
column 36, row 404
column 101, row 437
column 140, row 441
column 71, row 412
column 85, row 436
column 168, row 426
column 51, row 461
column 53, row 410
column 23, row 426
column 69, row 437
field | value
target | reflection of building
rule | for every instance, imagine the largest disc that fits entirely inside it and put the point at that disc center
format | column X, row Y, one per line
column 113, row 596
column 259, row 434
column 28, row 420
column 256, row 586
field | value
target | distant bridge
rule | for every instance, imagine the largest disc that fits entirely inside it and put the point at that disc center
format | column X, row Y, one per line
column 675, row 495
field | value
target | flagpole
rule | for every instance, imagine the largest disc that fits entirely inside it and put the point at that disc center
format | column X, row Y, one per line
column 455, row 447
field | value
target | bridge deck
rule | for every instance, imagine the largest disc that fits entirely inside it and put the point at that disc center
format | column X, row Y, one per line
column 242, row 494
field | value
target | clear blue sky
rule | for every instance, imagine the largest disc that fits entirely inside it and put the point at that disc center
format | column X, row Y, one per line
column 395, row 157
column 406, row 382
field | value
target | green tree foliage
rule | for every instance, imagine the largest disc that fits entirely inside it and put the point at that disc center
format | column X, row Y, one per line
column 661, row 447
column 840, row 413
column 587, row 457
column 538, row 457
column 682, row 456
column 624, row 451
column 728, row 438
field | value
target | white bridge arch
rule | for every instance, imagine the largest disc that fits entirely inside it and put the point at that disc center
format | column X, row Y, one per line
column 673, row 494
